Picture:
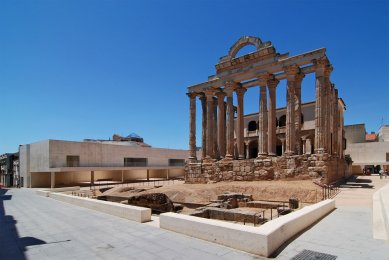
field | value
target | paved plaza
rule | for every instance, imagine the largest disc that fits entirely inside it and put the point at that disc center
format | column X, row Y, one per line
column 34, row 227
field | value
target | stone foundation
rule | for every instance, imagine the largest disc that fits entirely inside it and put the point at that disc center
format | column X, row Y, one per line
column 327, row 168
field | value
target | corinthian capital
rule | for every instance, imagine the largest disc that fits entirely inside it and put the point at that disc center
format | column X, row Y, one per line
column 209, row 93
column 240, row 91
column 322, row 67
column 291, row 71
column 191, row 95
column 230, row 86
column 272, row 82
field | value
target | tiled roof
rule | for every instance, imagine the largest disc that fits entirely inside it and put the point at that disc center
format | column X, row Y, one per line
column 371, row 137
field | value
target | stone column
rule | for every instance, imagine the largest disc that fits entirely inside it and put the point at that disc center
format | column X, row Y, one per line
column 331, row 120
column 336, row 123
column 192, row 127
column 272, row 137
column 262, row 117
column 214, row 128
column 221, row 124
column 282, row 145
column 229, row 89
column 308, row 146
column 209, row 153
column 240, row 129
column 247, row 150
column 297, row 111
column 203, row 100
column 321, row 68
column 52, row 180
column 92, row 178
column 327, row 84
column 291, row 72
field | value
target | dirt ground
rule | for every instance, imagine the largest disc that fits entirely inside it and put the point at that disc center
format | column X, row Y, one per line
column 304, row 190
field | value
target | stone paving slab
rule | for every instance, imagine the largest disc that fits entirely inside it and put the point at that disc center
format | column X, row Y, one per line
column 347, row 232
column 35, row 227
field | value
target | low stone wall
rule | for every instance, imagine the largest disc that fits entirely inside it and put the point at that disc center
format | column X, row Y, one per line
column 229, row 215
column 381, row 213
column 324, row 166
column 261, row 241
column 43, row 193
column 133, row 213
column 74, row 188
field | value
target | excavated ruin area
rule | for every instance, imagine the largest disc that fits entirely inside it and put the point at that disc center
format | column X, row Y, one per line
column 304, row 190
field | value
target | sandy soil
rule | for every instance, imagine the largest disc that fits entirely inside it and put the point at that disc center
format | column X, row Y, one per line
column 304, row 190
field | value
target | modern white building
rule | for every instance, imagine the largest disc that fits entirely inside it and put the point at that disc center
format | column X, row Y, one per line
column 368, row 151
column 56, row 163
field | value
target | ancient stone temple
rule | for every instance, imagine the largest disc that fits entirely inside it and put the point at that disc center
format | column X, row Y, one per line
column 274, row 143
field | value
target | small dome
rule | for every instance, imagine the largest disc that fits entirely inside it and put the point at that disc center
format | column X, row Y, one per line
column 133, row 135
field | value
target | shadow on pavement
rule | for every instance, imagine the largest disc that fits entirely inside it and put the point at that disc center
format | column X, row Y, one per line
column 356, row 182
column 11, row 245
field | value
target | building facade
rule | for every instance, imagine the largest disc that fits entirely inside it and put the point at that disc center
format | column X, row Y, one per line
column 9, row 169
column 286, row 151
column 369, row 154
column 57, row 163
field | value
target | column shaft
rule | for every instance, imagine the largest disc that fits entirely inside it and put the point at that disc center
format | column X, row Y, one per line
column 203, row 100
column 230, row 127
column 336, row 123
column 263, row 127
column 215, row 130
column 52, row 180
column 290, row 109
column 272, row 136
column 297, row 111
column 321, row 67
column 192, row 127
column 209, row 137
column 221, row 127
column 92, row 178
column 230, row 86
column 240, row 129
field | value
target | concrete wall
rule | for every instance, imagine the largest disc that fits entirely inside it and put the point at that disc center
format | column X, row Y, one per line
column 355, row 133
column 261, row 241
column 24, row 165
column 109, row 155
column 369, row 153
column 38, row 158
column 134, row 213
column 40, row 180
column 383, row 134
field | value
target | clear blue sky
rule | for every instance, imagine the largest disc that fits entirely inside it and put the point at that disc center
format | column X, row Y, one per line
column 75, row 69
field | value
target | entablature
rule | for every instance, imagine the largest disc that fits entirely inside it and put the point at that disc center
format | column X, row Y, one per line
column 271, row 65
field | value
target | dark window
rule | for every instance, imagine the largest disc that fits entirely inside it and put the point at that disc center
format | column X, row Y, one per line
column 135, row 162
column 73, row 161
column 387, row 157
column 282, row 121
column 176, row 162
column 302, row 118
column 252, row 126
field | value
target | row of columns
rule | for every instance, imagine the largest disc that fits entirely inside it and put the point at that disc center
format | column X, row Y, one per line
column 218, row 116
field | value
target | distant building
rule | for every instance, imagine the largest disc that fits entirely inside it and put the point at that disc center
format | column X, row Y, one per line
column 369, row 151
column 56, row 163
column 9, row 169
